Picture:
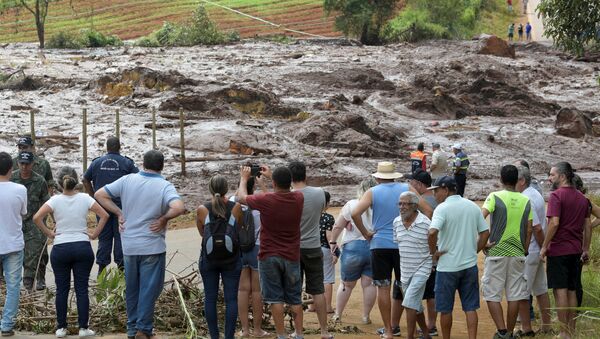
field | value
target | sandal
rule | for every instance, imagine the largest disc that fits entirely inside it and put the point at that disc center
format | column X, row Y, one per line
column 264, row 334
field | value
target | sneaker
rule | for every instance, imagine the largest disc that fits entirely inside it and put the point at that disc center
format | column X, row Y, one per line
column 28, row 284
column 521, row 334
column 366, row 320
column 86, row 332
column 336, row 318
column 502, row 336
column 433, row 331
column 395, row 331
column 40, row 285
column 8, row 333
column 61, row 333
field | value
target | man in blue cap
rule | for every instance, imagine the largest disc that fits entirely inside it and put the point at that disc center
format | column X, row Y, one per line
column 41, row 166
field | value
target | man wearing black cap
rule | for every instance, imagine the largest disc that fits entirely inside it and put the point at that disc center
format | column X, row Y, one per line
column 103, row 171
column 40, row 165
column 35, row 240
column 458, row 232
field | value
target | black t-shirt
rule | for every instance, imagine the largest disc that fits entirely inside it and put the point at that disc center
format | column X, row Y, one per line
column 325, row 224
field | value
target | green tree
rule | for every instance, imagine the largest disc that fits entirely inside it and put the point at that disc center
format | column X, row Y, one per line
column 573, row 24
column 39, row 10
column 361, row 19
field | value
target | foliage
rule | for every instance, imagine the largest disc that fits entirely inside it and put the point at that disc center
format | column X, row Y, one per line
column 571, row 24
column 361, row 19
column 445, row 19
column 199, row 30
column 85, row 38
column 279, row 38
column 39, row 10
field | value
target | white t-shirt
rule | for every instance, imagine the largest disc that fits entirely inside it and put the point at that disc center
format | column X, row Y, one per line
column 413, row 245
column 13, row 199
column 70, row 214
column 539, row 214
column 354, row 233
column 440, row 159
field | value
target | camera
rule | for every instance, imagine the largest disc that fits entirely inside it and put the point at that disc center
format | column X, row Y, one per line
column 255, row 170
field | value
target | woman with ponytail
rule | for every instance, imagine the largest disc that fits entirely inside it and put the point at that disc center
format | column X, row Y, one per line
column 72, row 251
column 220, row 257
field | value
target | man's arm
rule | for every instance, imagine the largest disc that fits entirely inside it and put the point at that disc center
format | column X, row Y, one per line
column 363, row 205
column 432, row 239
column 528, row 237
column 550, row 232
column 423, row 205
column 587, row 240
column 538, row 234
column 482, row 240
column 176, row 208
column 105, row 200
column 242, row 192
column 88, row 187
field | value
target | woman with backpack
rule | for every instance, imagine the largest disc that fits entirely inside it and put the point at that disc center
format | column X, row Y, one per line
column 72, row 251
column 220, row 258
column 249, row 290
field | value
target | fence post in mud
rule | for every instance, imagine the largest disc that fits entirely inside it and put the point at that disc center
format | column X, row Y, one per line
column 84, row 139
column 154, row 128
column 32, row 125
column 182, row 140
column 118, row 124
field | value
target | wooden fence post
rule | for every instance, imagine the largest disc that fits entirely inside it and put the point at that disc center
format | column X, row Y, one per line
column 84, row 139
column 182, row 140
column 118, row 124
column 154, row 128
column 32, row 125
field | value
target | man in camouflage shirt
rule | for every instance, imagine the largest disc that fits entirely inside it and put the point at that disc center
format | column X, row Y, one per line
column 40, row 165
column 35, row 240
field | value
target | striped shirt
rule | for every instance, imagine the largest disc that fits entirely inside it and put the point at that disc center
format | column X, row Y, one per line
column 414, row 247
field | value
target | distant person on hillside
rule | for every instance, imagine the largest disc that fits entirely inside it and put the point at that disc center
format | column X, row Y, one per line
column 509, row 5
column 511, row 31
column 528, row 31
column 525, row 2
column 520, row 32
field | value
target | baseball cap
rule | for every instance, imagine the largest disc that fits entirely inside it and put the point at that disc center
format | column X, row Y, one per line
column 445, row 181
column 25, row 158
column 458, row 145
column 420, row 175
column 25, row 141
column 436, row 144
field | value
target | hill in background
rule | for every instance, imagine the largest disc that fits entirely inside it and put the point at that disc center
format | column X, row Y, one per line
column 131, row 19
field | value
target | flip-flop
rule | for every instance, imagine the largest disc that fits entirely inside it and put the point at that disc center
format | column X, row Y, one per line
column 240, row 334
column 264, row 334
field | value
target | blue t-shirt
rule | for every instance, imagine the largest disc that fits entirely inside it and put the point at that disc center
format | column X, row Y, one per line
column 459, row 222
column 107, row 169
column 385, row 210
column 145, row 197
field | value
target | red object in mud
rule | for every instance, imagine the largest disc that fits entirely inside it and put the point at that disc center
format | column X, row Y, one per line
column 434, row 123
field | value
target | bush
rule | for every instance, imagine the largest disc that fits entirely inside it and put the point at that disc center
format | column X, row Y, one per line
column 413, row 25
column 64, row 40
column 86, row 38
column 199, row 30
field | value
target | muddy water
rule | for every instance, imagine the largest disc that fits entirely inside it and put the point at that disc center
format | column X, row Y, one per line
column 339, row 108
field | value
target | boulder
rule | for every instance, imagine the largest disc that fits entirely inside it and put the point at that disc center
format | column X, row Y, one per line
column 492, row 45
column 572, row 123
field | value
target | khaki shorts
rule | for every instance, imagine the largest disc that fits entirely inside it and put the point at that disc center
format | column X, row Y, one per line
column 504, row 274
column 535, row 274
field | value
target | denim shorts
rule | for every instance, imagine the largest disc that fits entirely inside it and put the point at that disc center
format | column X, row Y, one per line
column 355, row 260
column 328, row 266
column 250, row 259
column 280, row 281
column 467, row 284
column 413, row 292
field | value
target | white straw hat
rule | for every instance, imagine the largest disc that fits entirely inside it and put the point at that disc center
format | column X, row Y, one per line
column 386, row 170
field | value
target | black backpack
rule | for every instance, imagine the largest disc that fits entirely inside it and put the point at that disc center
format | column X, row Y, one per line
column 246, row 231
column 220, row 243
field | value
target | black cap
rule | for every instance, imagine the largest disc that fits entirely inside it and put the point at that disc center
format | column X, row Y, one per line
column 445, row 181
column 420, row 175
column 25, row 158
column 25, row 141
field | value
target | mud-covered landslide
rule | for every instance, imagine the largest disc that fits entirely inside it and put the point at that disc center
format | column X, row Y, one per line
column 358, row 78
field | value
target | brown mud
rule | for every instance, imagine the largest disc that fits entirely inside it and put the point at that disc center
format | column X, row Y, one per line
column 338, row 106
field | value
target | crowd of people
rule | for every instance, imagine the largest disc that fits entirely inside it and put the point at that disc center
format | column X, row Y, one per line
column 272, row 239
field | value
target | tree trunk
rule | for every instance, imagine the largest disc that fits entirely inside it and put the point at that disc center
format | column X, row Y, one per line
column 40, row 32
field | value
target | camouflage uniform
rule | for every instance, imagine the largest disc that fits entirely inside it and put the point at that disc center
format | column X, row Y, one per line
column 35, row 240
column 41, row 166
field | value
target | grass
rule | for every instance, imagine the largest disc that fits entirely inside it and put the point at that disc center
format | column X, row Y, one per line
column 495, row 17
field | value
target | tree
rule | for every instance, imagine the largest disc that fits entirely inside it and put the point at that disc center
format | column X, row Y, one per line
column 573, row 24
column 362, row 19
column 39, row 9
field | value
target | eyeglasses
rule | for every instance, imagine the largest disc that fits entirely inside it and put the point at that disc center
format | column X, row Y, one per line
column 406, row 203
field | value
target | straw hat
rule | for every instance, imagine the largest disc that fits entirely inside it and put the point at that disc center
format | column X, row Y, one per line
column 386, row 170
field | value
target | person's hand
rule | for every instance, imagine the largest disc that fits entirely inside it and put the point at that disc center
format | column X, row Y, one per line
column 334, row 259
column 543, row 251
column 585, row 257
column 246, row 173
column 412, row 188
column 93, row 235
column 266, row 171
column 436, row 256
column 51, row 234
column 158, row 225
column 487, row 247
column 121, row 223
column 333, row 247
column 369, row 235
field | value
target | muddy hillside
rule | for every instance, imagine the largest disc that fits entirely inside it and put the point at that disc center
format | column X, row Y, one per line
column 338, row 106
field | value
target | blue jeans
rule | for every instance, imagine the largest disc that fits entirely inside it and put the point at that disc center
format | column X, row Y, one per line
column 280, row 281
column 12, row 264
column 144, row 280
column 77, row 257
column 231, row 280
column 105, row 243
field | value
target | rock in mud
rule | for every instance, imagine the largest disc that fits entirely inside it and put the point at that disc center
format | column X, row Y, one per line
column 492, row 45
column 359, row 78
column 572, row 123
